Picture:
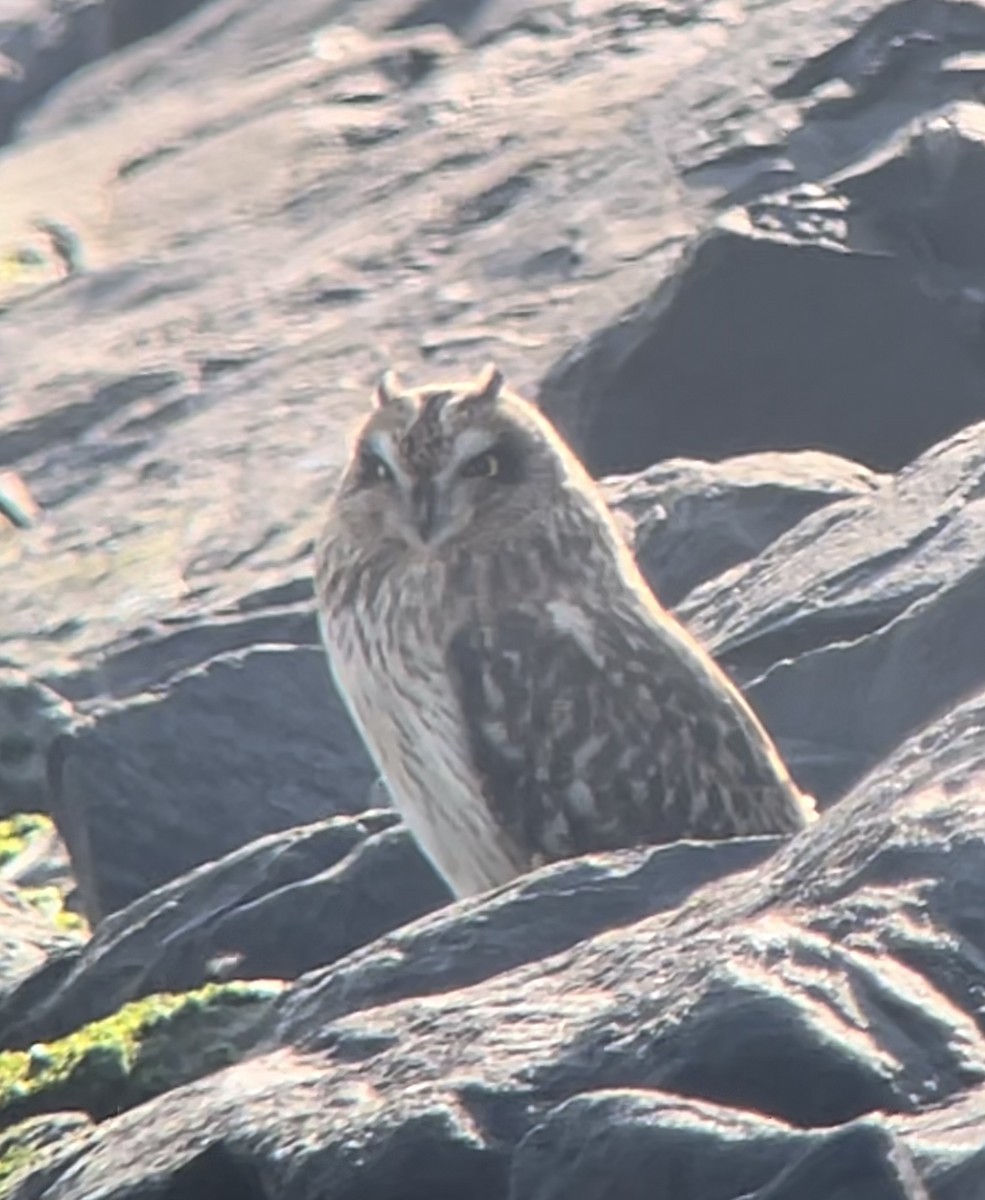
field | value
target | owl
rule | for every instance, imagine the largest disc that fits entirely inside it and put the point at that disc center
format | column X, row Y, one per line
column 522, row 692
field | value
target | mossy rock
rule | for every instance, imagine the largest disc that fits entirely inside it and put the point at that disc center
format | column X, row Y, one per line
column 148, row 1047
column 25, row 1146
column 50, row 902
column 16, row 833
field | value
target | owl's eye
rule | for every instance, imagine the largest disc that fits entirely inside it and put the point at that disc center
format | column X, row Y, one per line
column 373, row 469
column 483, row 466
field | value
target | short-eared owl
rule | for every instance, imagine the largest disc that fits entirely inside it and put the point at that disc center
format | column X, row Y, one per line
column 522, row 692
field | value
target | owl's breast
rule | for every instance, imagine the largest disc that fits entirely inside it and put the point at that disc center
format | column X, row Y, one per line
column 391, row 672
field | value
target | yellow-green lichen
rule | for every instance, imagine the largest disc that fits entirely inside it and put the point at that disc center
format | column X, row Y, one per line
column 50, row 901
column 144, row 1049
column 16, row 834
column 17, row 831
column 26, row 1145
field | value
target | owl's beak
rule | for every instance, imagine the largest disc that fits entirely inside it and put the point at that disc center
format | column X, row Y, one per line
column 424, row 503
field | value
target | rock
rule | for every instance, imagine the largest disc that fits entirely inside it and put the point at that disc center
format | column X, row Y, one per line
column 27, row 940
column 832, row 990
column 250, row 743
column 919, row 191
column 691, row 521
column 149, row 657
column 757, row 288
column 144, row 1049
column 65, row 246
column 43, row 47
column 30, row 1143
column 539, row 917
column 651, row 1146
column 32, row 855
column 50, row 41
column 692, row 230
column 32, row 717
column 865, row 620
column 645, row 1145
column 280, row 906
column 191, row 493
column 859, row 1162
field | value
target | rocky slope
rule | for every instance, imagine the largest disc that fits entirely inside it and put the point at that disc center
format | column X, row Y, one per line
column 736, row 251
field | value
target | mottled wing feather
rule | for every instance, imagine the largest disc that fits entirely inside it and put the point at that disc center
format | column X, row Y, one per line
column 593, row 742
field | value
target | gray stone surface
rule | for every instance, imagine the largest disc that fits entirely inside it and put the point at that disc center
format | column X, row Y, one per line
column 251, row 742
column 43, row 42
column 737, row 247
column 27, row 940
column 481, row 203
column 693, row 520
column 843, row 312
column 864, row 621
column 32, row 717
column 281, row 906
column 813, row 1018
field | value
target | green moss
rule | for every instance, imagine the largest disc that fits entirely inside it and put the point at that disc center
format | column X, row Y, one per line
column 144, row 1049
column 16, row 834
column 17, row 831
column 26, row 1145
column 51, row 902
column 14, row 1158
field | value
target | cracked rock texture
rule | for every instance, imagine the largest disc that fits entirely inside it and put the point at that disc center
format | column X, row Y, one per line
column 736, row 252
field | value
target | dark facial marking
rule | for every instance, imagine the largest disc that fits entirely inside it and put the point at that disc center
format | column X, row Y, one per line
column 424, row 500
column 504, row 462
column 425, row 443
column 371, row 469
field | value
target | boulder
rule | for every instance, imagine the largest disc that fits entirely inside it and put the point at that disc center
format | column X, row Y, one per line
column 800, row 316
column 45, row 42
column 690, row 521
column 28, row 940
column 809, row 1023
column 249, row 743
column 26, row 1144
column 865, row 620
column 279, row 907
column 145, row 1048
column 646, row 1145
column 32, row 717
column 743, row 235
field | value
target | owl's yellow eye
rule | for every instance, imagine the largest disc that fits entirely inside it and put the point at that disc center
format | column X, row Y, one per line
column 483, row 466
column 372, row 468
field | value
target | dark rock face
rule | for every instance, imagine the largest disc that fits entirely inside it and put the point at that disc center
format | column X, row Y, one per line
column 740, row 242
column 691, row 521
column 49, row 41
column 755, row 1024
column 647, row 1145
column 275, row 909
column 693, row 374
column 856, row 1162
column 32, row 718
column 873, row 256
column 250, row 743
column 864, row 621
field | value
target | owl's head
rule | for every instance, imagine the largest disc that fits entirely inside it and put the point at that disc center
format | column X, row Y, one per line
column 434, row 464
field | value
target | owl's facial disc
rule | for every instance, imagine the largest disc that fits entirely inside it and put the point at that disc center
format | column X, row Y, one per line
column 409, row 497
column 429, row 502
column 439, row 464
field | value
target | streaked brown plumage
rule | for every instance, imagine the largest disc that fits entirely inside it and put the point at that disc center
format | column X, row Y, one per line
column 520, row 689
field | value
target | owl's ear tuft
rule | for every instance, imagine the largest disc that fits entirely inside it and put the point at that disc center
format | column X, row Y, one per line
column 487, row 385
column 388, row 389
